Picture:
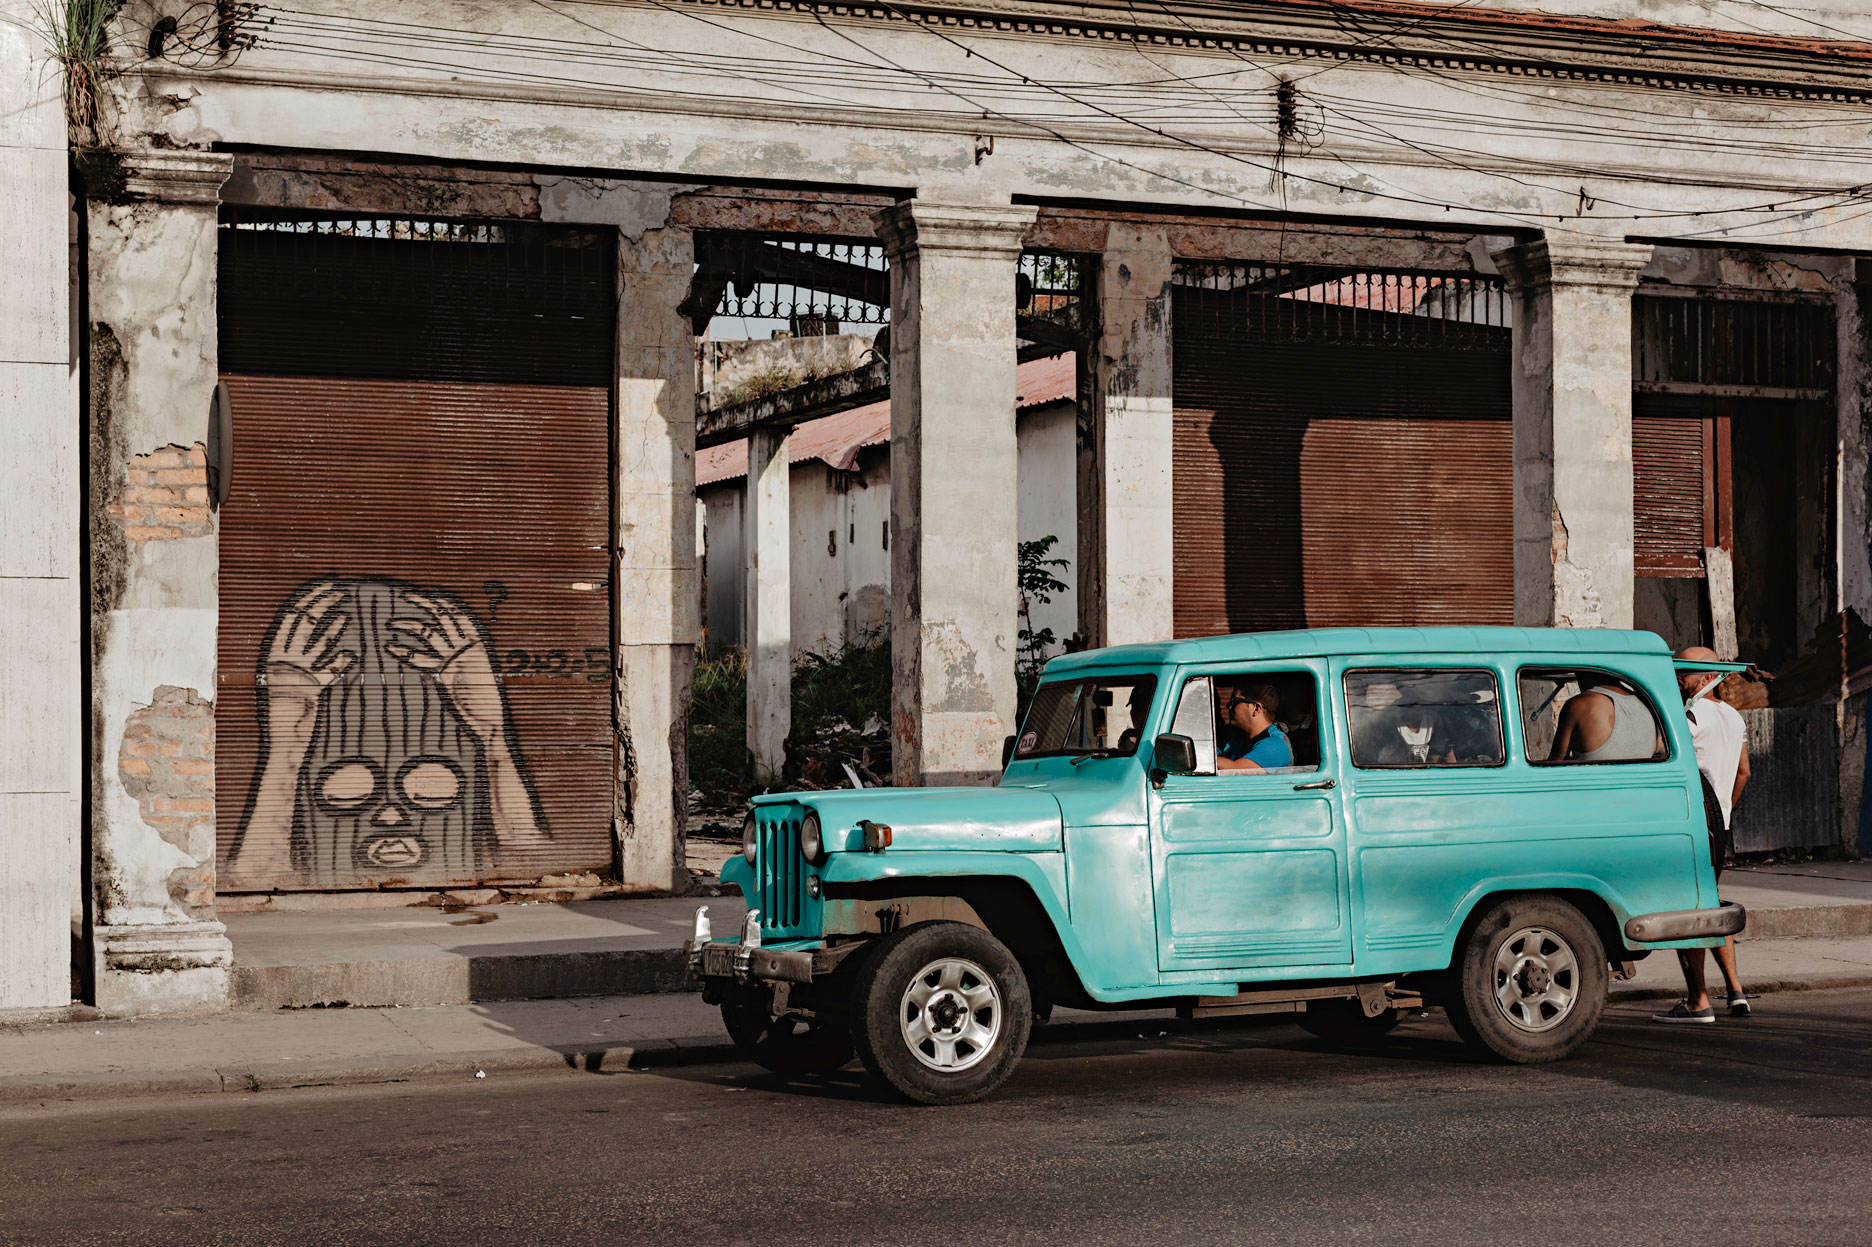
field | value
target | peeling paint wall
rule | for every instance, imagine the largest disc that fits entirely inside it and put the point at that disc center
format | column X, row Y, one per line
column 154, row 608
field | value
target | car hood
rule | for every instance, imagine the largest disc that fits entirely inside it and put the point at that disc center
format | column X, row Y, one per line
column 1007, row 820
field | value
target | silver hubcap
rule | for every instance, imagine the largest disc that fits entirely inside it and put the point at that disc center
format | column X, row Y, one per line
column 950, row 1015
column 1536, row 979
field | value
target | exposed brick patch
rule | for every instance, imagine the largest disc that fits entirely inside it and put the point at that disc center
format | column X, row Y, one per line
column 167, row 763
column 165, row 495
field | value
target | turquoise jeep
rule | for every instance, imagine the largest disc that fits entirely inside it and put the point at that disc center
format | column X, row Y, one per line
column 1426, row 824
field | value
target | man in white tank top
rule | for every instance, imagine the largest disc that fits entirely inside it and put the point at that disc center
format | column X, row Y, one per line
column 1721, row 741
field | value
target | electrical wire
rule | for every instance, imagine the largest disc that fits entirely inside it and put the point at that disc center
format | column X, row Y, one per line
column 718, row 67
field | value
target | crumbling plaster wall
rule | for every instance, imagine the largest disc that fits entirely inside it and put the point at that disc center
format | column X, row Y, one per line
column 494, row 103
column 153, row 611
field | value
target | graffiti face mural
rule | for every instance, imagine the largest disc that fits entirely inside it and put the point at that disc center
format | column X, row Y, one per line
column 387, row 749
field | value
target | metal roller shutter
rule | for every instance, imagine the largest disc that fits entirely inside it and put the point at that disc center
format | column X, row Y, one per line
column 1673, row 495
column 415, row 631
column 1338, row 483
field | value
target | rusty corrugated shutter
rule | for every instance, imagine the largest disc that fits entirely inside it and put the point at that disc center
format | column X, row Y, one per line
column 1672, row 492
column 415, row 633
column 1338, row 483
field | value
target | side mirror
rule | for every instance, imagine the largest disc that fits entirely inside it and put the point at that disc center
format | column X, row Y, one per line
column 1007, row 752
column 1174, row 754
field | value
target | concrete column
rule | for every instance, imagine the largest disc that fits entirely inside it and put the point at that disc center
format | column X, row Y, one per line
column 768, row 600
column 41, row 688
column 954, row 482
column 1573, row 429
column 154, row 607
column 656, row 585
column 1125, row 539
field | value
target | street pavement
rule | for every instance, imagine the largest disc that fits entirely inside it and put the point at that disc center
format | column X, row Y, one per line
column 242, row 1051
column 1747, row 1131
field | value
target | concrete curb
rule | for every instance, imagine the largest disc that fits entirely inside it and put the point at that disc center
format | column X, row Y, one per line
column 606, row 1059
column 642, row 972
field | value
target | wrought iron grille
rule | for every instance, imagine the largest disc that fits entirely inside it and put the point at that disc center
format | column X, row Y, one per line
column 1740, row 343
column 552, row 263
column 817, row 285
column 1050, row 300
column 1322, row 303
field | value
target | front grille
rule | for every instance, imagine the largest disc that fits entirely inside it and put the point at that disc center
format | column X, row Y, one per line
column 779, row 870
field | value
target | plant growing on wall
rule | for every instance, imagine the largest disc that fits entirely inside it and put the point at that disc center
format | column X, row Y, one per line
column 1037, row 583
column 80, row 37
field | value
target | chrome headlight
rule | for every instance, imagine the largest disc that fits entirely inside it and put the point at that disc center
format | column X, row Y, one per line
column 747, row 838
column 812, row 840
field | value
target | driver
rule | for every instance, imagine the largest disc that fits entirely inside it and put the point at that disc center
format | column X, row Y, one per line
column 1257, row 742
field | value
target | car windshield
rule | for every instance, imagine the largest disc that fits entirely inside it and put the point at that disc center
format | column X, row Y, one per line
column 1097, row 715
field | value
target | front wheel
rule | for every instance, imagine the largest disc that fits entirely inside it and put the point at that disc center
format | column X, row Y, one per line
column 790, row 1044
column 1530, row 980
column 941, row 1012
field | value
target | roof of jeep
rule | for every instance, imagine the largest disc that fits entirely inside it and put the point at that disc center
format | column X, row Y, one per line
column 1323, row 642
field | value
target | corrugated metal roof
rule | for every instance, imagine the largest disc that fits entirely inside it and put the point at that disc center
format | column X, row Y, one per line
column 837, row 439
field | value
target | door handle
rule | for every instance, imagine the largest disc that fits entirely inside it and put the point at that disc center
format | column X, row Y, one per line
column 1317, row 784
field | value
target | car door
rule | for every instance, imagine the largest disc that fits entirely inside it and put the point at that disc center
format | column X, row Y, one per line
column 1250, row 866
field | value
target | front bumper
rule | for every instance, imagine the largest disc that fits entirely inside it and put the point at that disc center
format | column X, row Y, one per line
column 729, row 960
column 1687, row 924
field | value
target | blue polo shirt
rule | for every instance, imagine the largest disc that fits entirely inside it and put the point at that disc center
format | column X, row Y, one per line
column 1270, row 750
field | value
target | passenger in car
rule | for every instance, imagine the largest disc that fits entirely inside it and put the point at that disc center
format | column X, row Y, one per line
column 1400, row 730
column 1258, row 742
column 1605, row 722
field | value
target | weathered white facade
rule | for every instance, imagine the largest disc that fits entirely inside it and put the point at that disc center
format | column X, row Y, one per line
column 839, row 557
column 1581, row 148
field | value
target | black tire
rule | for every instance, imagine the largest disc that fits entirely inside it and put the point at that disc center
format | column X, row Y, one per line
column 1503, row 999
column 981, row 1045
column 789, row 1045
column 1343, row 1022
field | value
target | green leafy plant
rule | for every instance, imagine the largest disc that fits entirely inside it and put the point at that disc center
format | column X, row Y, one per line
column 718, row 753
column 841, row 714
column 1037, row 583
column 79, row 34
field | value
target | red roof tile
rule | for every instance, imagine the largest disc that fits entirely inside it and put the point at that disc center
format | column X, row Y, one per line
column 837, row 439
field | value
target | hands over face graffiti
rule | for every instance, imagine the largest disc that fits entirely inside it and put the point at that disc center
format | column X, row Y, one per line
column 455, row 652
column 302, row 661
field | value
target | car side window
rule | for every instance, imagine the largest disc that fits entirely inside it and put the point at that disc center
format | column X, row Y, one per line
column 1416, row 718
column 1251, row 722
column 1573, row 716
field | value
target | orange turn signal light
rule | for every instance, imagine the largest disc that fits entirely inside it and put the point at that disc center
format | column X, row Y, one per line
column 877, row 835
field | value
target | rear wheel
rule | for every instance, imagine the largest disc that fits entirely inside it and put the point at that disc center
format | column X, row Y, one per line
column 941, row 1012
column 1530, row 980
column 788, row 1045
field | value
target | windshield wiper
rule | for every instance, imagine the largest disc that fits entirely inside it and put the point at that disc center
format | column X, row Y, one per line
column 1098, row 753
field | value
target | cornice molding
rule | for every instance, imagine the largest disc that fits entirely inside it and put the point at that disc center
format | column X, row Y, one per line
column 1501, row 42
column 180, row 177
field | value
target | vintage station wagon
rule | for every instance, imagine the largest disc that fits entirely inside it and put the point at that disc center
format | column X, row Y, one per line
column 1339, row 824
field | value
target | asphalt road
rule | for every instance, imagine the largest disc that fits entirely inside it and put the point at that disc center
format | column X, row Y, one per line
column 1742, row 1132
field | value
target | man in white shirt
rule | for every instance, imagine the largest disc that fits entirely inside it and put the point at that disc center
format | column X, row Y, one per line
column 1721, row 742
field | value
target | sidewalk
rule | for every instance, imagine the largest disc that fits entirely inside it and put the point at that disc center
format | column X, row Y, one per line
column 603, row 1034
column 458, row 956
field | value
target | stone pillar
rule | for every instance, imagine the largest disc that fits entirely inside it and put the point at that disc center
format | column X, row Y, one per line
column 768, row 599
column 656, row 584
column 1573, row 429
column 1125, row 535
column 154, row 609
column 41, row 688
column 954, row 477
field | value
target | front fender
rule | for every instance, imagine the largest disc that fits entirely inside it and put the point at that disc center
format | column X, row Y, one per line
column 1043, row 873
